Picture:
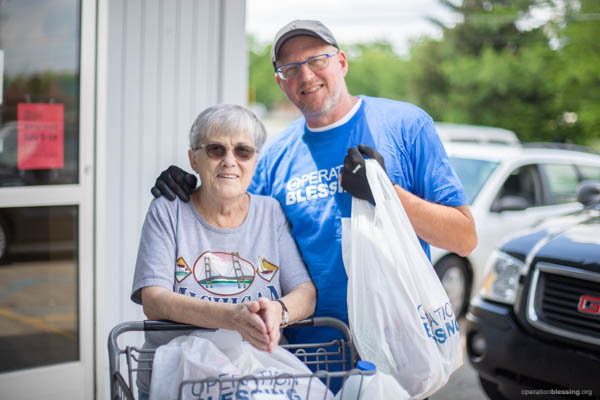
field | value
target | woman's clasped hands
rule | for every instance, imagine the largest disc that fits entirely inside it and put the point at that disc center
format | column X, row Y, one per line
column 258, row 322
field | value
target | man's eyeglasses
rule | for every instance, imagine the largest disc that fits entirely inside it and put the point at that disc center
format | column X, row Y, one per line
column 217, row 151
column 315, row 63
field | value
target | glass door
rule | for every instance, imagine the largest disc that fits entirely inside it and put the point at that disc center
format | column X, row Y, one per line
column 46, row 198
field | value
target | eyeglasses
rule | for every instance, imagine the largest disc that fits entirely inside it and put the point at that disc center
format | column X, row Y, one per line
column 217, row 151
column 315, row 63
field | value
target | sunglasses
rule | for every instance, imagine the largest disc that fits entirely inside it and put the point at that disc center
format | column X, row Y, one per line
column 217, row 151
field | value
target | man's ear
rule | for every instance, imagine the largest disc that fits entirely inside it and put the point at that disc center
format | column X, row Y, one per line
column 278, row 80
column 343, row 60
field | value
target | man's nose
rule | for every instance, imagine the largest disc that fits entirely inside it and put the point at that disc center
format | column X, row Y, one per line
column 305, row 72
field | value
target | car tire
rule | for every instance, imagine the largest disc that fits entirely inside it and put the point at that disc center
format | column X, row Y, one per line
column 491, row 389
column 456, row 279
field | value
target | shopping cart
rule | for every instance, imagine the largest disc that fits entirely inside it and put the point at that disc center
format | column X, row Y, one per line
column 330, row 360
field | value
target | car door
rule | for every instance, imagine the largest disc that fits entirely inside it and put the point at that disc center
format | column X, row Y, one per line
column 516, row 206
column 589, row 172
column 560, row 187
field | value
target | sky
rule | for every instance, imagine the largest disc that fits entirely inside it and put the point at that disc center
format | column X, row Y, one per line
column 397, row 21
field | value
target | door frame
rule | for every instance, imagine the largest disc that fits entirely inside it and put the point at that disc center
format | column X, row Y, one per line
column 69, row 380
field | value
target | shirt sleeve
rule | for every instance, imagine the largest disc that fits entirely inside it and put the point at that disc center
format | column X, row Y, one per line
column 157, row 251
column 293, row 270
column 439, row 183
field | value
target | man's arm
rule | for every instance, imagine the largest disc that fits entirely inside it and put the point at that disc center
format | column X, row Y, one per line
column 451, row 228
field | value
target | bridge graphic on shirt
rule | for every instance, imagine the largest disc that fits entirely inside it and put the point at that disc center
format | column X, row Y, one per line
column 223, row 273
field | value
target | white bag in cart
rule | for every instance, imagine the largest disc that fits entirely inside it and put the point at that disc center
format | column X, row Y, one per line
column 400, row 316
column 222, row 354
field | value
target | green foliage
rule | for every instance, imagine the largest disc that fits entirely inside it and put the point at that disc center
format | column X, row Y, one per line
column 542, row 82
column 262, row 87
column 486, row 70
column 376, row 70
column 427, row 83
column 578, row 66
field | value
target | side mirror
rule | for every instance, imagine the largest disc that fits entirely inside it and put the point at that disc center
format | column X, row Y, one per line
column 510, row 203
column 588, row 192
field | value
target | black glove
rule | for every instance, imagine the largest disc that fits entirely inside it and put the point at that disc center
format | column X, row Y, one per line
column 354, row 174
column 174, row 182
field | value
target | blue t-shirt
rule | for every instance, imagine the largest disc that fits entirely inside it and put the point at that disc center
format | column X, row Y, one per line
column 301, row 169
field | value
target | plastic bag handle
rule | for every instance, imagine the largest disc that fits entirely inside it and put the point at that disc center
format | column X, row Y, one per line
column 383, row 190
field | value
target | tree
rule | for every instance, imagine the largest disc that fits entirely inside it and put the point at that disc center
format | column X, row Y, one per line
column 262, row 87
column 578, row 76
column 488, row 70
column 376, row 70
column 491, row 68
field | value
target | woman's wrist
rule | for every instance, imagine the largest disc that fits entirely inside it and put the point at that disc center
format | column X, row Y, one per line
column 284, row 315
column 229, row 315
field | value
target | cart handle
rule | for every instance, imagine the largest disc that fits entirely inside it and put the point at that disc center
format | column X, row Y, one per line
column 149, row 325
column 168, row 326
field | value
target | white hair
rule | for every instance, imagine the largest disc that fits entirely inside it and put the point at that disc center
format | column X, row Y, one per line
column 227, row 120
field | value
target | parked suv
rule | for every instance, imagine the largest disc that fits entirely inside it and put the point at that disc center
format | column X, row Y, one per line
column 534, row 329
column 510, row 186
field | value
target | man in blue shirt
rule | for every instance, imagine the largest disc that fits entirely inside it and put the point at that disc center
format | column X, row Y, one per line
column 316, row 164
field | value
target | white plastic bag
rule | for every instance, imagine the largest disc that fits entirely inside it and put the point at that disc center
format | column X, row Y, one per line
column 222, row 354
column 283, row 362
column 199, row 355
column 399, row 314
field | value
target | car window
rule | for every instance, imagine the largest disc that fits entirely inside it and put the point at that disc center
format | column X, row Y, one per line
column 589, row 173
column 472, row 174
column 523, row 183
column 562, row 182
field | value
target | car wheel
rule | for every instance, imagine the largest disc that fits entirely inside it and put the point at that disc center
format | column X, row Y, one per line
column 456, row 279
column 491, row 389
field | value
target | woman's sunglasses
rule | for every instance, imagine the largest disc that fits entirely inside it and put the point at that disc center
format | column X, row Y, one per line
column 217, row 151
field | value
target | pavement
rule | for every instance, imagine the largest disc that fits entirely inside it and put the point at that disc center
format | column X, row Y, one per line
column 38, row 313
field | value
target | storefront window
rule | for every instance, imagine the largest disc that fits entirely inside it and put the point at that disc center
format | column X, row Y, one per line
column 38, row 286
column 39, row 94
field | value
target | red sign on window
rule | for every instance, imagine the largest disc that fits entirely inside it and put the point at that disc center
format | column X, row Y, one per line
column 41, row 137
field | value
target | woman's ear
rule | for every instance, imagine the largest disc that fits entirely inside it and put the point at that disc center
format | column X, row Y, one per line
column 192, row 159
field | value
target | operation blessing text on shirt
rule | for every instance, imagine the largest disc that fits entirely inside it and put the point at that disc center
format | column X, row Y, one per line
column 313, row 185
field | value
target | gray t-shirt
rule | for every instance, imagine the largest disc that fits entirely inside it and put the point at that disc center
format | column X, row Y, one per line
column 182, row 252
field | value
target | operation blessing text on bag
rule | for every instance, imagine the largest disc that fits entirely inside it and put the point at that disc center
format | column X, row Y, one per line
column 441, row 324
column 277, row 387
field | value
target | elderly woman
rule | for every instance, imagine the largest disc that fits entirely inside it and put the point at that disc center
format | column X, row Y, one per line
column 227, row 258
